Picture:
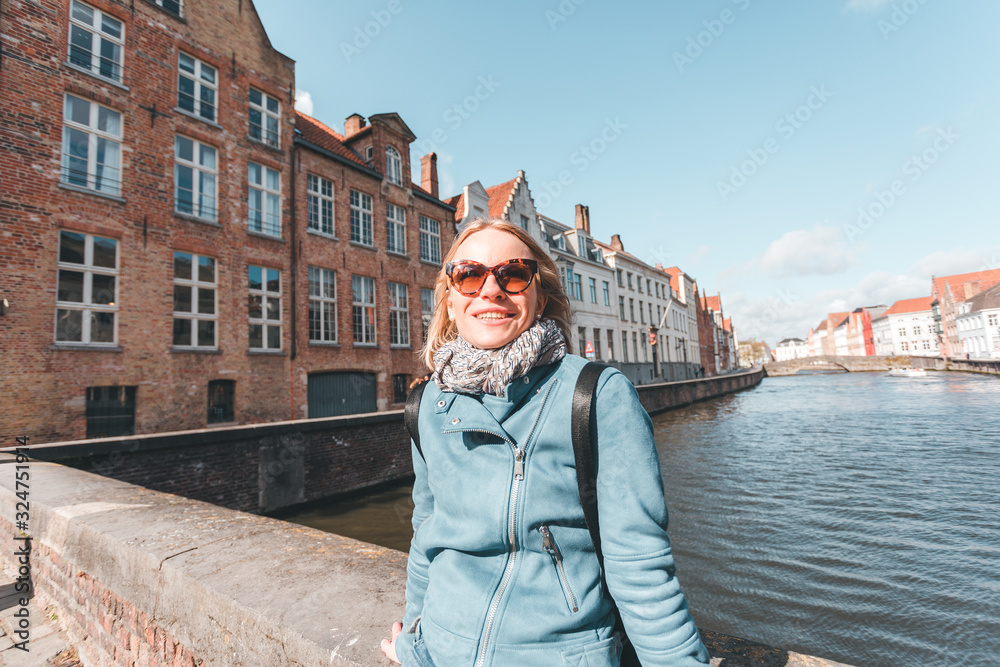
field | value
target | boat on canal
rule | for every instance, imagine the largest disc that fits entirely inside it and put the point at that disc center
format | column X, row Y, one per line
column 908, row 372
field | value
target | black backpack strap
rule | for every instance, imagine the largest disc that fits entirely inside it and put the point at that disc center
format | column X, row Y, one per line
column 584, row 414
column 584, row 398
column 412, row 411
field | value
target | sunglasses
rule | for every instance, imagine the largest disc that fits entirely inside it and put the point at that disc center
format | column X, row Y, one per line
column 514, row 276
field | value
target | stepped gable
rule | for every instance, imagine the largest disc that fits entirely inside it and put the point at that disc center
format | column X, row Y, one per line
column 501, row 197
column 954, row 284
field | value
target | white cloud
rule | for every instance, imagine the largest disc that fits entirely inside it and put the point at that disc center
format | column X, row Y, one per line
column 959, row 260
column 820, row 251
column 304, row 102
column 866, row 5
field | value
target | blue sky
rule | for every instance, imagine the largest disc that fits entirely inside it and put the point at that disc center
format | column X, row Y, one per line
column 737, row 139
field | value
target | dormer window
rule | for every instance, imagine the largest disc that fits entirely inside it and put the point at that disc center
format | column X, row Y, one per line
column 581, row 242
column 369, row 153
column 561, row 242
column 393, row 166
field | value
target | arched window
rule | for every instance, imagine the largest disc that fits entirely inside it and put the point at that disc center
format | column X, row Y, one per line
column 393, row 166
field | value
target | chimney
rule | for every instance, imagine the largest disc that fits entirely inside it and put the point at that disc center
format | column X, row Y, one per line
column 971, row 288
column 616, row 243
column 429, row 173
column 581, row 218
column 586, row 219
column 354, row 124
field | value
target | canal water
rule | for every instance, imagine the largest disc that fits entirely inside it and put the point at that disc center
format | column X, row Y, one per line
column 850, row 516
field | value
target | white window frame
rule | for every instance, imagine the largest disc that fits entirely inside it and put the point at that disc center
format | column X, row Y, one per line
column 95, row 58
column 430, row 240
column 524, row 222
column 266, row 114
column 266, row 297
column 607, row 292
column 97, row 140
column 198, row 75
column 322, row 305
column 395, row 229
column 592, row 284
column 320, row 202
column 194, row 316
column 263, row 220
column 361, row 218
column 203, row 204
column 426, row 308
column 393, row 166
column 88, row 309
column 399, row 315
column 364, row 324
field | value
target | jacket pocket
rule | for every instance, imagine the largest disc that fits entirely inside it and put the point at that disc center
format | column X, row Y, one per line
column 549, row 544
column 605, row 653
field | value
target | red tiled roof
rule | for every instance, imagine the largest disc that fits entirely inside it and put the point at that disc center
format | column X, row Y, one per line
column 713, row 302
column 954, row 283
column 917, row 305
column 499, row 196
column 837, row 319
column 319, row 134
column 822, row 326
column 727, row 324
column 458, row 201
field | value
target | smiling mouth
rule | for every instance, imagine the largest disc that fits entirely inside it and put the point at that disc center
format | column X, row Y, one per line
column 493, row 317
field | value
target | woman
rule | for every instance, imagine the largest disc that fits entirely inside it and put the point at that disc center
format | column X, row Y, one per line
column 502, row 569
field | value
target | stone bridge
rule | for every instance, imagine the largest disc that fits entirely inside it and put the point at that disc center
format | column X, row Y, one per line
column 842, row 363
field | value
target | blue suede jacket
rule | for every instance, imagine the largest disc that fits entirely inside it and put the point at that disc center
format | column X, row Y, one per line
column 502, row 569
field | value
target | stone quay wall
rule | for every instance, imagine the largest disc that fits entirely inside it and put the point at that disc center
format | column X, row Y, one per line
column 265, row 467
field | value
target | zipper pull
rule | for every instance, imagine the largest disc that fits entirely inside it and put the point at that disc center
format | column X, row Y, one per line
column 518, row 463
column 548, row 543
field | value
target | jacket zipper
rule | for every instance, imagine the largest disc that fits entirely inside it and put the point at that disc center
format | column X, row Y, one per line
column 549, row 545
column 511, row 529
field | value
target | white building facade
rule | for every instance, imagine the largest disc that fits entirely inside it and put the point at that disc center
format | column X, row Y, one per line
column 978, row 322
column 911, row 328
column 791, row 348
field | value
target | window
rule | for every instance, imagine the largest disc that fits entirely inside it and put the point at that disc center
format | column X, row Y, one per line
column 263, row 199
column 649, row 286
column 430, row 240
column 395, row 229
column 265, row 308
column 657, row 290
column 597, row 343
column 916, row 331
column 593, row 289
column 172, row 6
column 322, row 305
column 194, row 301
column 621, row 307
column 629, row 276
column 631, row 309
column 363, row 309
column 195, row 171
column 196, row 87
column 642, row 312
column 607, row 293
column 625, row 346
column 96, row 41
column 611, row 344
column 361, row 218
column 906, row 346
column 87, row 289
column 110, row 411
column 320, row 203
column 399, row 317
column 582, row 333
column 927, row 345
column 581, row 245
column 524, row 222
column 221, row 398
column 91, row 148
column 393, row 166
column 369, row 153
column 576, row 285
column 651, row 320
column 400, row 387
column 635, row 345
column 426, row 308
column 645, row 350
column 991, row 320
column 902, row 331
column 638, row 280
column 620, row 283
column 265, row 118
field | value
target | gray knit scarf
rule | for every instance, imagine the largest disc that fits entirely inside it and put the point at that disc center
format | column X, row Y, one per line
column 464, row 369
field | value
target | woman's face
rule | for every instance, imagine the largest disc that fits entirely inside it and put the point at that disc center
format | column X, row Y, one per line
column 493, row 318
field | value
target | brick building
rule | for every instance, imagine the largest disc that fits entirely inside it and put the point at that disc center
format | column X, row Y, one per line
column 155, row 240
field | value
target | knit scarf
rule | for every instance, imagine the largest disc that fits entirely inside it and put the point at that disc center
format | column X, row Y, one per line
column 464, row 369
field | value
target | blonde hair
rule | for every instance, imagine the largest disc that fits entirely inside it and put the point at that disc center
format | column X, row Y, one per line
column 441, row 329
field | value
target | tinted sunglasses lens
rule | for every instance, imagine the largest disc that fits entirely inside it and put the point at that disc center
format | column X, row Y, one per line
column 514, row 278
column 468, row 278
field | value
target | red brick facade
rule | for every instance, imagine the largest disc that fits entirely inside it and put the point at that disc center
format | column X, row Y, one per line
column 209, row 80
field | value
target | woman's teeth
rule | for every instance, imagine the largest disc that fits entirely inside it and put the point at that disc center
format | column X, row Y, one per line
column 492, row 316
